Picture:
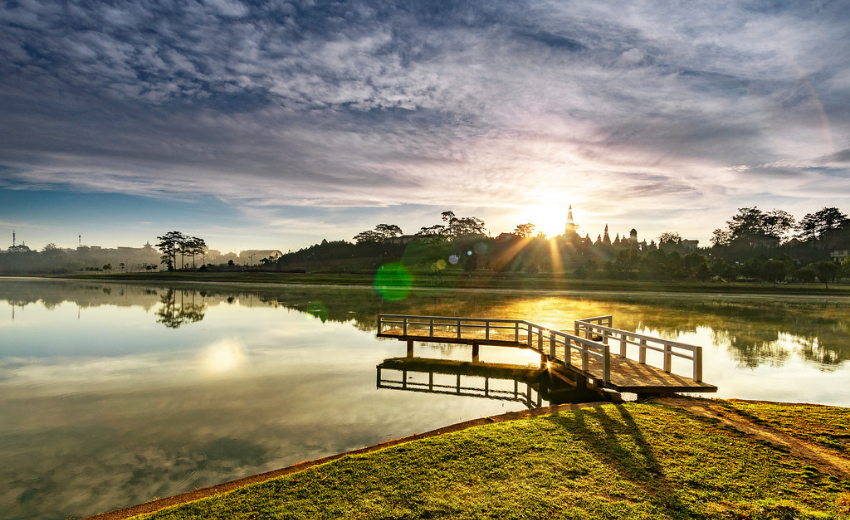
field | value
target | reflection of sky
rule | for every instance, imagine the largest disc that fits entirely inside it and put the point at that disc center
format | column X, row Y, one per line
column 115, row 401
column 102, row 407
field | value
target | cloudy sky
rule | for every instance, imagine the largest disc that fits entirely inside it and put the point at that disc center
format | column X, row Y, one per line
column 277, row 124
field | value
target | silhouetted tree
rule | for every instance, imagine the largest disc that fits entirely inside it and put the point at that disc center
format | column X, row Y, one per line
column 170, row 244
column 814, row 226
column 524, row 230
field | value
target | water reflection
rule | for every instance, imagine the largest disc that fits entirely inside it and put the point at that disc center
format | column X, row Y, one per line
column 530, row 386
column 175, row 311
column 111, row 394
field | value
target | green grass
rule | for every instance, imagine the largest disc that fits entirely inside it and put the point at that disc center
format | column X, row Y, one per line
column 606, row 462
column 822, row 425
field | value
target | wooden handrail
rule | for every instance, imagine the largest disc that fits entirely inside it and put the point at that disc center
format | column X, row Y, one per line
column 629, row 338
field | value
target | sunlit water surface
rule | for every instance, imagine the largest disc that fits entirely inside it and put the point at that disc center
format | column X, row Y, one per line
column 111, row 395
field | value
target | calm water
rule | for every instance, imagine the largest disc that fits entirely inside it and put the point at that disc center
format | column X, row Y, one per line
column 111, row 394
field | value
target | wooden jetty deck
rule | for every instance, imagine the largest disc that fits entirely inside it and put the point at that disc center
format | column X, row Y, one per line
column 585, row 352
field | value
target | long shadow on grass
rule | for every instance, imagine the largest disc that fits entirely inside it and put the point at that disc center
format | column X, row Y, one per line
column 636, row 464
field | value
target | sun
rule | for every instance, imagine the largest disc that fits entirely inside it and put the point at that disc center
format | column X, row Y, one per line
column 548, row 218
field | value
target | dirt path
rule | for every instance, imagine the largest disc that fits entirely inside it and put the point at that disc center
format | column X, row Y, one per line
column 826, row 460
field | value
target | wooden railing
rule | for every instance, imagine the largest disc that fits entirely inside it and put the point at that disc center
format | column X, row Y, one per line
column 601, row 328
column 543, row 340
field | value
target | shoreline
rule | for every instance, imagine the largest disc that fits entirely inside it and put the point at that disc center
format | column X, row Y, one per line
column 224, row 487
column 625, row 288
column 706, row 408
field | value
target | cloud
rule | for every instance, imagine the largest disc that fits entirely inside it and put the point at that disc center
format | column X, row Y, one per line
column 367, row 104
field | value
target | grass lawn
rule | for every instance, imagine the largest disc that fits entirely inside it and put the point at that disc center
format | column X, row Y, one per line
column 608, row 462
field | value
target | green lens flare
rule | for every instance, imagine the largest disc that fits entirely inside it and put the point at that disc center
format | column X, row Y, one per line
column 393, row 281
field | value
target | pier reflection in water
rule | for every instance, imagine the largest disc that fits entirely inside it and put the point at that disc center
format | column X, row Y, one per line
column 533, row 387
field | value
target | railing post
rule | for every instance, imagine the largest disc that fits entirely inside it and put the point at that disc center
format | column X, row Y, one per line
column 584, row 358
column 622, row 344
column 698, row 364
column 605, row 335
column 568, row 356
column 458, row 329
column 668, row 358
column 610, row 320
column 431, row 327
column 539, row 340
column 577, row 329
column 606, row 364
column 516, row 332
column 530, row 344
column 404, row 326
column 379, row 324
column 487, row 329
column 642, row 353
column 552, row 352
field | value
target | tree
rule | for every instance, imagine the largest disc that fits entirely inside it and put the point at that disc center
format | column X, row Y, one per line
column 756, row 228
column 380, row 235
column 721, row 237
column 773, row 271
column 368, row 237
column 669, row 238
column 806, row 274
column 169, row 245
column 814, row 226
column 388, row 230
column 722, row 269
column 524, row 230
column 194, row 246
column 826, row 271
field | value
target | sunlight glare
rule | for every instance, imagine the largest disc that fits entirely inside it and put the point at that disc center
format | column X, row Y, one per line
column 221, row 357
column 549, row 218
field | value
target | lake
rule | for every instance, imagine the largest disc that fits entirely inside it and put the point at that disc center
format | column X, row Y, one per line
column 113, row 394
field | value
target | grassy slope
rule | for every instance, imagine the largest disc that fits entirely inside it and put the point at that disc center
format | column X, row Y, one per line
column 613, row 461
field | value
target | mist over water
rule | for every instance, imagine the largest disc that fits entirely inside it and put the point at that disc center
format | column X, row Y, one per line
column 113, row 394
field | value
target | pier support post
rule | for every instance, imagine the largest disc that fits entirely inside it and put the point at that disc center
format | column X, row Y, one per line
column 475, row 352
column 410, row 348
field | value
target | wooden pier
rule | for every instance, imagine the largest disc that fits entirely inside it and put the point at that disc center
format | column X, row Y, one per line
column 593, row 353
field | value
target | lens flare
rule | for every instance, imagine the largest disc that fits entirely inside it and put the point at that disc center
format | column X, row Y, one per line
column 393, row 281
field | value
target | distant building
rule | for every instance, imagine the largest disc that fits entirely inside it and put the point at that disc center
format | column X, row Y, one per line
column 839, row 255
column 253, row 256
column 403, row 239
column 690, row 245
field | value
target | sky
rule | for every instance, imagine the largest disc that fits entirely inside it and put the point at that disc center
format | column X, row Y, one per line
column 274, row 125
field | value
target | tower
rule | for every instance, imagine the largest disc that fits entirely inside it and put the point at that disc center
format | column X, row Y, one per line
column 13, row 238
column 570, row 227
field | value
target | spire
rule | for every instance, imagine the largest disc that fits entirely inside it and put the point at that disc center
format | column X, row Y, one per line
column 570, row 228
column 606, row 239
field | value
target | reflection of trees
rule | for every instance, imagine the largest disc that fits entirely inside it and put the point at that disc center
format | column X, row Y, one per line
column 751, row 348
column 173, row 314
column 756, row 330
